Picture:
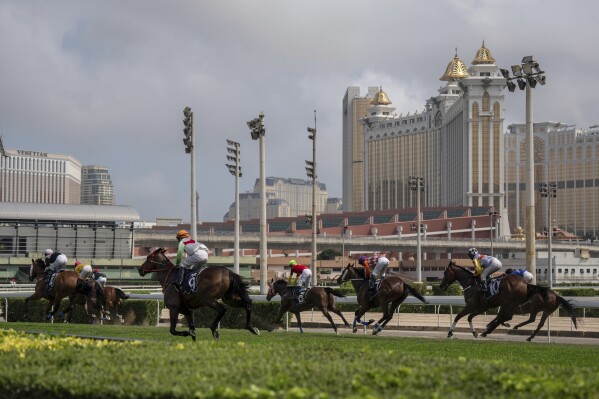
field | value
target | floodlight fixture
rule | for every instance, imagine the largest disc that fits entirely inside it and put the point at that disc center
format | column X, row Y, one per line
column 540, row 79
column 517, row 70
column 521, row 84
column 531, row 81
column 511, row 86
column 505, row 73
column 527, row 59
column 527, row 69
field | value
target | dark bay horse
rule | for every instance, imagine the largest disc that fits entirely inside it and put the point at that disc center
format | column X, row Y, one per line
column 392, row 292
column 114, row 302
column 513, row 292
column 94, row 302
column 547, row 304
column 213, row 283
column 66, row 284
column 322, row 298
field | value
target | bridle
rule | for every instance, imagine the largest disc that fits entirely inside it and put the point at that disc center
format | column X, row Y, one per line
column 150, row 259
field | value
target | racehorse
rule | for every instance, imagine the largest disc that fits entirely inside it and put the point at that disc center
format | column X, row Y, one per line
column 393, row 291
column 547, row 305
column 94, row 303
column 322, row 298
column 212, row 284
column 114, row 302
column 513, row 291
column 66, row 284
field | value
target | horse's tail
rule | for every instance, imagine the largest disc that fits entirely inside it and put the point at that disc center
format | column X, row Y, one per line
column 336, row 293
column 569, row 308
column 238, row 287
column 533, row 289
column 82, row 287
column 120, row 293
column 414, row 292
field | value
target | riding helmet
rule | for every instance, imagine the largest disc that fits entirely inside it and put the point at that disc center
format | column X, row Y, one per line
column 362, row 259
column 77, row 263
column 472, row 252
column 292, row 263
column 182, row 234
column 48, row 252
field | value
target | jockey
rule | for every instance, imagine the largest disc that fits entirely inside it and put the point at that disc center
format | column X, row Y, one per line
column 302, row 272
column 100, row 278
column 55, row 262
column 380, row 263
column 521, row 272
column 484, row 266
column 197, row 255
column 84, row 271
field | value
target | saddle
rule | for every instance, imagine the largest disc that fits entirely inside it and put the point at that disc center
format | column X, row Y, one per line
column 50, row 280
column 374, row 286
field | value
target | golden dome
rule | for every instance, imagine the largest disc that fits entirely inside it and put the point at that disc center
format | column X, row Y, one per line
column 456, row 69
column 483, row 56
column 380, row 98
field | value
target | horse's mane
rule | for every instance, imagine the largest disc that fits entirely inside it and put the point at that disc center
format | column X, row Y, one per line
column 360, row 271
column 280, row 280
column 461, row 267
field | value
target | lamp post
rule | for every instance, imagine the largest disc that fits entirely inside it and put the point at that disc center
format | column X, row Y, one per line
column 311, row 171
column 417, row 184
column 257, row 132
column 492, row 218
column 527, row 75
column 190, row 149
column 343, row 245
column 233, row 156
column 549, row 191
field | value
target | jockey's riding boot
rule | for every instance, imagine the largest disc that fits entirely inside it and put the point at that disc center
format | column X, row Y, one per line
column 483, row 285
column 179, row 282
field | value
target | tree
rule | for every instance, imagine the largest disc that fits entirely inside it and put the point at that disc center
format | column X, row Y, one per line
column 328, row 254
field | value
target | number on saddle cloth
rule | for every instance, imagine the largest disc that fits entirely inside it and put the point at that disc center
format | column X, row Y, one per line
column 493, row 287
column 190, row 280
column 299, row 294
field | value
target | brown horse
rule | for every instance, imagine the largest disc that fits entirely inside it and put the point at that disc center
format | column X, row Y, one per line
column 114, row 302
column 513, row 292
column 547, row 305
column 66, row 284
column 393, row 291
column 212, row 284
column 322, row 298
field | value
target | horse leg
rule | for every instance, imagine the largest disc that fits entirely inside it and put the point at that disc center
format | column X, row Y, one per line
column 174, row 318
column 299, row 321
column 340, row 314
column 472, row 329
column 326, row 314
column 502, row 317
column 221, row 310
column 392, row 310
column 541, row 324
column 278, row 319
column 532, row 318
column 190, row 323
column 463, row 313
column 358, row 317
column 247, row 305
column 378, row 326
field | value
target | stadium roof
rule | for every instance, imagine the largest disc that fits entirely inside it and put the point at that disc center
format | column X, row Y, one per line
column 67, row 212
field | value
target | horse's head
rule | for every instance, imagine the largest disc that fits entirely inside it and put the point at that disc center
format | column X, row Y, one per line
column 37, row 268
column 348, row 273
column 156, row 261
column 449, row 276
column 275, row 287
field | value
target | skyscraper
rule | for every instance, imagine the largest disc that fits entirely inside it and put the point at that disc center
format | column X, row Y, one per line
column 96, row 186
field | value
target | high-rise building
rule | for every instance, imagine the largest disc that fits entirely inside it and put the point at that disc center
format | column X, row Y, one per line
column 565, row 157
column 285, row 198
column 39, row 177
column 455, row 144
column 354, row 109
column 96, row 186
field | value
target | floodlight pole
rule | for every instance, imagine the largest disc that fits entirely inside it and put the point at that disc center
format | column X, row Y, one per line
column 531, row 252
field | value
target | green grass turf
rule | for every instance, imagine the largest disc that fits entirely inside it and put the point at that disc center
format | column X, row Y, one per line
column 290, row 365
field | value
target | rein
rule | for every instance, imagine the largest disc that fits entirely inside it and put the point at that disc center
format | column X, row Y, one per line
column 169, row 267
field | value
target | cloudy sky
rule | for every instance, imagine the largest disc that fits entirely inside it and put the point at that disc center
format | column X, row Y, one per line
column 106, row 81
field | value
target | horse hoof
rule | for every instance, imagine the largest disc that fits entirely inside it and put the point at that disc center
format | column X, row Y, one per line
column 450, row 335
column 475, row 334
column 216, row 334
column 355, row 330
column 192, row 333
column 254, row 331
column 529, row 339
column 484, row 335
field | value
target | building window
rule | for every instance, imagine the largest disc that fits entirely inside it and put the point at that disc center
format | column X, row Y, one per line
column 404, row 122
column 559, row 270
